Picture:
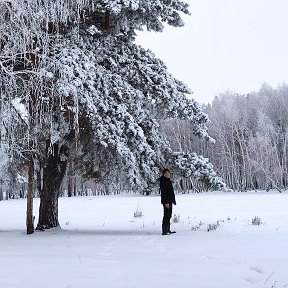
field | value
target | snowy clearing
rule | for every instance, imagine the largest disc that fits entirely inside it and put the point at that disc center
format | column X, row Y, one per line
column 102, row 244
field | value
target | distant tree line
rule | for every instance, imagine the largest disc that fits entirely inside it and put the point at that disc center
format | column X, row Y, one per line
column 249, row 153
column 250, row 132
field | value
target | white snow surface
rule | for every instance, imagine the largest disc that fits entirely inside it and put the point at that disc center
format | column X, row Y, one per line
column 101, row 244
column 21, row 109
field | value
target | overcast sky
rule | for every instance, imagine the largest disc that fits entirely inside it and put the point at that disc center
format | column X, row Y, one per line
column 226, row 45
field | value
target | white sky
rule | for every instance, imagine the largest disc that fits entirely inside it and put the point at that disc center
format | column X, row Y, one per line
column 226, row 45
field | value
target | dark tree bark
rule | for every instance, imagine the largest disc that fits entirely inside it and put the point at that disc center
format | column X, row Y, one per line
column 70, row 177
column 1, row 190
column 69, row 188
column 30, row 218
column 53, row 174
column 75, row 187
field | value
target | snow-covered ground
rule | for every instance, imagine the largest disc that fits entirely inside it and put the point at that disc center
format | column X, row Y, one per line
column 102, row 245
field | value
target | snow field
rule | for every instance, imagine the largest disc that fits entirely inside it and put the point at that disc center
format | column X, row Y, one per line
column 102, row 244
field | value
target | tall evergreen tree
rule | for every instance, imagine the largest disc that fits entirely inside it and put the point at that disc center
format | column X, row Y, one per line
column 83, row 82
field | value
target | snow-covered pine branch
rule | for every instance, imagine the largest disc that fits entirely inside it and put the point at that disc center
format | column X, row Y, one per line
column 75, row 68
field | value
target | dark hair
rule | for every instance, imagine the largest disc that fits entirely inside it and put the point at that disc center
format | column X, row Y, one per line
column 164, row 171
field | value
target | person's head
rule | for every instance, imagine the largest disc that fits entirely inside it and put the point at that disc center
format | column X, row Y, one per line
column 166, row 173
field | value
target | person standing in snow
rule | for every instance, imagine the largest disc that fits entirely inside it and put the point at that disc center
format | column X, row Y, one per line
column 167, row 200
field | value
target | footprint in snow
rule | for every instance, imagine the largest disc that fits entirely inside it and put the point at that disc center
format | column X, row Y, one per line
column 254, row 278
column 257, row 269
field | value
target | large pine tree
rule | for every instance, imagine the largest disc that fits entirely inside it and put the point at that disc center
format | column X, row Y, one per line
column 81, row 81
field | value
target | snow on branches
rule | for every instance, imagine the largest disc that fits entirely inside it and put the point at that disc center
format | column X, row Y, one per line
column 74, row 67
column 199, row 168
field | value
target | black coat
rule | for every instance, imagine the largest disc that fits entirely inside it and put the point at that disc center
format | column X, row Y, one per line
column 167, row 191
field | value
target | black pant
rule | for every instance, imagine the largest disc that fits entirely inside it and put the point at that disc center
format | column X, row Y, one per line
column 166, row 219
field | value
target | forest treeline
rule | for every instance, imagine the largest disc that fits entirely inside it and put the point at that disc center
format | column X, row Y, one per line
column 250, row 132
column 249, row 153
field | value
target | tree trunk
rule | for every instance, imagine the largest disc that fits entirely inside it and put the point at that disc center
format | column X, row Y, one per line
column 70, row 177
column 69, row 187
column 53, row 174
column 75, row 186
column 1, row 190
column 29, row 215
